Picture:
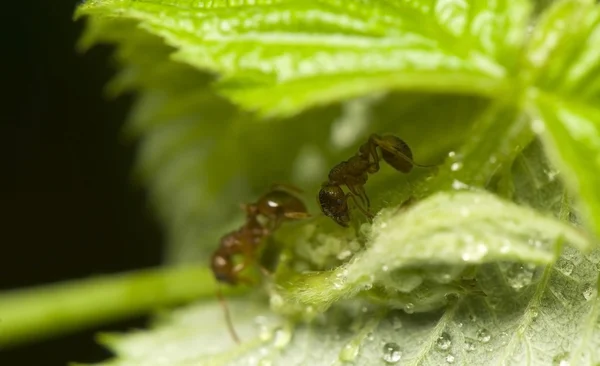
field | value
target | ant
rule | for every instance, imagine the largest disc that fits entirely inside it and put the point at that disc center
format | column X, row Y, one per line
column 262, row 218
column 354, row 173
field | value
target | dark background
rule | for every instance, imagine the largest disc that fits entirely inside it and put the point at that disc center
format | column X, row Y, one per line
column 70, row 208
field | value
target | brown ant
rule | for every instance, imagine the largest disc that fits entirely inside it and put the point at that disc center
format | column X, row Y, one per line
column 262, row 218
column 354, row 173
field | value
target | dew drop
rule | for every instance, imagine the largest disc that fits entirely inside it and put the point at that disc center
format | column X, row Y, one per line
column 451, row 154
column 456, row 166
column 450, row 359
column 533, row 311
column 391, row 353
column 443, row 342
column 483, row 335
column 458, row 185
column 519, row 275
column 385, row 268
column 349, row 352
column 409, row 308
column 470, row 345
column 503, row 337
column 589, row 291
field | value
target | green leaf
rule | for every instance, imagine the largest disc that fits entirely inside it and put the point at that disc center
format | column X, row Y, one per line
column 437, row 235
column 284, row 56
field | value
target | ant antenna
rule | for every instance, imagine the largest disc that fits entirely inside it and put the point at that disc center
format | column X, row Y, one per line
column 227, row 315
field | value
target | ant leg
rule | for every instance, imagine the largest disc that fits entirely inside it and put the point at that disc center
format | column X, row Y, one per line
column 297, row 215
column 356, row 193
column 227, row 314
column 362, row 191
column 359, row 190
column 373, row 168
column 362, row 209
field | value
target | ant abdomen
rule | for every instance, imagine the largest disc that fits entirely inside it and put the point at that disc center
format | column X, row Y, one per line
column 395, row 152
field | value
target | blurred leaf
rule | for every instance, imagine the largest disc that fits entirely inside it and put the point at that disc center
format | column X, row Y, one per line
column 564, row 63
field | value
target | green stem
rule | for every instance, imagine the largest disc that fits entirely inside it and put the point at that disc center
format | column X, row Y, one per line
column 33, row 314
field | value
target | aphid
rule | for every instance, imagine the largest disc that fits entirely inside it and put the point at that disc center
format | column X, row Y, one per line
column 354, row 173
column 262, row 218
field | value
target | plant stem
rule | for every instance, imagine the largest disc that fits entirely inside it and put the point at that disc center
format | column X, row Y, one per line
column 37, row 313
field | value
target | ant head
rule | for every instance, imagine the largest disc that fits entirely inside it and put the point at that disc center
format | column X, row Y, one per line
column 333, row 202
column 396, row 153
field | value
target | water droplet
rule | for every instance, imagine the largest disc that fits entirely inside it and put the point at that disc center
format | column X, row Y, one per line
column 589, row 291
column 470, row 345
column 519, row 275
column 483, row 335
column 450, row 358
column 340, row 279
column 451, row 154
column 409, row 308
column 503, row 337
column 385, row 268
column 562, row 359
column 367, row 286
column 370, row 336
column 456, row 166
column 391, row 353
column 493, row 159
column 443, row 342
column 349, row 352
column 459, row 324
